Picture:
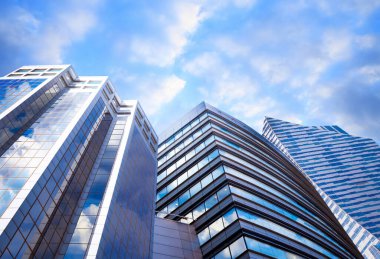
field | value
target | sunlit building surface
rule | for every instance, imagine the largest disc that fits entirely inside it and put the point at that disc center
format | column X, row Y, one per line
column 77, row 168
column 344, row 169
column 242, row 197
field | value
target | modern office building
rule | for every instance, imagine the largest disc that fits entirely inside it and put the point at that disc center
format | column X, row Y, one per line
column 344, row 169
column 77, row 168
column 240, row 195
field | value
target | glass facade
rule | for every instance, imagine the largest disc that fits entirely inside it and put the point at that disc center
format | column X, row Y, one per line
column 80, row 237
column 16, row 121
column 12, row 90
column 77, row 168
column 229, row 183
column 344, row 170
column 130, row 220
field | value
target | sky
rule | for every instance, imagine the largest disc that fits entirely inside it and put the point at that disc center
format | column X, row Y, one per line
column 313, row 62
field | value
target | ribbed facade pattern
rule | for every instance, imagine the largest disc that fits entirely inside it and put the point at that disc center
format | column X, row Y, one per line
column 243, row 197
column 344, row 169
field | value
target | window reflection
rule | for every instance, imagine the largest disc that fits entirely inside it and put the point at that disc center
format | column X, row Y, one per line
column 189, row 193
column 232, row 215
column 85, row 225
column 184, row 176
column 12, row 90
column 27, row 152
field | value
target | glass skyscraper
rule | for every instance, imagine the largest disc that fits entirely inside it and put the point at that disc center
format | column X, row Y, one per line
column 240, row 195
column 77, row 168
column 344, row 169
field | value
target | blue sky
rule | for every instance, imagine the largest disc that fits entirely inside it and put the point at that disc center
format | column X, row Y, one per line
column 311, row 62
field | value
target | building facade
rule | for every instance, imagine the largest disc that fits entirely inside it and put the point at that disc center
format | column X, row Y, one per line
column 345, row 171
column 241, row 195
column 174, row 239
column 77, row 168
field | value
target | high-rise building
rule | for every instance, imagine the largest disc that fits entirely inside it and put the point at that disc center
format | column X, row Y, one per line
column 77, row 168
column 240, row 195
column 344, row 169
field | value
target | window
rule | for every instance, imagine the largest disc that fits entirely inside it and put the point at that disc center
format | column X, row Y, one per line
column 216, row 227
column 22, row 70
column 38, row 70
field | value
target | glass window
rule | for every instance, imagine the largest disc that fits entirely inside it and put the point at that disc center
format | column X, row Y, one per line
column 238, row 247
column 161, row 161
column 194, row 123
column 186, row 129
column 184, row 197
column 182, row 178
column 161, row 176
column 197, row 134
column 216, row 227
column 213, row 155
column 206, row 127
column 224, row 192
column 178, row 135
column 192, row 170
column 188, row 141
column 229, row 217
column 198, row 211
column 181, row 161
column 267, row 249
column 195, row 189
column 245, row 215
column 179, row 147
column 171, row 186
column 210, row 202
column 172, row 206
column 203, row 162
column 171, row 169
column 169, row 141
column 170, row 154
column 203, row 236
column 209, row 140
column 224, row 254
column 190, row 155
column 207, row 180
column 217, row 172
column 161, row 193
column 199, row 148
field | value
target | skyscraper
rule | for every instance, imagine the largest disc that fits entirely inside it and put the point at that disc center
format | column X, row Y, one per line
column 345, row 170
column 77, row 167
column 242, row 196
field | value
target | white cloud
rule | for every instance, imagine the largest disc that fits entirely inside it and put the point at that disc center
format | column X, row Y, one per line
column 336, row 45
column 324, row 91
column 223, row 84
column 176, row 24
column 273, row 70
column 18, row 26
column 233, row 88
column 358, row 7
column 365, row 41
column 244, row 3
column 154, row 97
column 46, row 41
column 369, row 74
column 206, row 64
column 210, row 7
column 231, row 47
column 255, row 107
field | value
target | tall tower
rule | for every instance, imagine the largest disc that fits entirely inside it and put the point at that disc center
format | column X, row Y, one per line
column 344, row 169
column 241, row 196
column 77, row 167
